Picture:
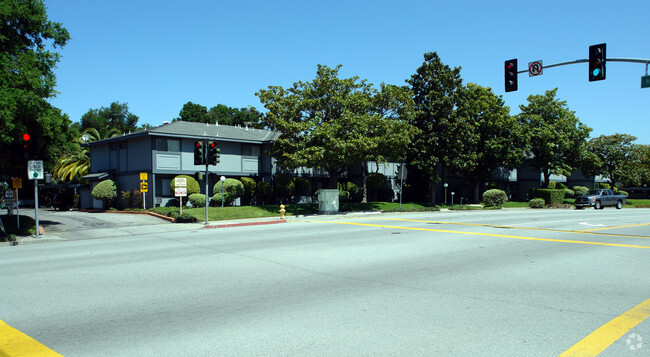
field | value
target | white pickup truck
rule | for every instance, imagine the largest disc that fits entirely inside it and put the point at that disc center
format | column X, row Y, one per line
column 599, row 199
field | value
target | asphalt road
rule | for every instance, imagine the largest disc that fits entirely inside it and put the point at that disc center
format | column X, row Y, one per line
column 489, row 283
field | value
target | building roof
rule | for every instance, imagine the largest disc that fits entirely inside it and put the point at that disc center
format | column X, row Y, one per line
column 203, row 131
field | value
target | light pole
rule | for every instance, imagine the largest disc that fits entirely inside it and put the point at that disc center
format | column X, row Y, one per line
column 223, row 180
column 446, row 185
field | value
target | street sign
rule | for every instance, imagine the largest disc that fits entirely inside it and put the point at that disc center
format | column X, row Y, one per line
column 17, row 182
column 535, row 68
column 180, row 182
column 144, row 187
column 645, row 82
column 143, row 176
column 9, row 194
column 180, row 192
column 35, row 170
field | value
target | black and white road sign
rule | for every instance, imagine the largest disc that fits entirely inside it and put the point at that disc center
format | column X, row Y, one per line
column 535, row 68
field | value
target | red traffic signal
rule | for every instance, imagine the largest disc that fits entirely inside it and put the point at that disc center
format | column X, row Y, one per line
column 27, row 137
column 510, row 75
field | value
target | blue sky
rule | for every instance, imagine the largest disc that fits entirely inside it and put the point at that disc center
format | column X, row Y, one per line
column 158, row 55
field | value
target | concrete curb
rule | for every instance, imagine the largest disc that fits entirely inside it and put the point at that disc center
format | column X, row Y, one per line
column 243, row 224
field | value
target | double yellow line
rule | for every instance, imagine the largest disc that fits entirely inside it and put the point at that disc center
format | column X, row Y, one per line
column 16, row 343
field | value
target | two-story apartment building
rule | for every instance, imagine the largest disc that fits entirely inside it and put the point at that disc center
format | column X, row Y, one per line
column 167, row 150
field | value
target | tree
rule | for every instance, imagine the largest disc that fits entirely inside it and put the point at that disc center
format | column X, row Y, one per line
column 193, row 113
column 638, row 166
column 114, row 117
column 226, row 115
column 324, row 123
column 435, row 89
column 27, row 80
column 610, row 155
column 557, row 138
column 489, row 137
column 76, row 164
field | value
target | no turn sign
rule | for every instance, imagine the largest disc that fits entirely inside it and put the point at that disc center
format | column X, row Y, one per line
column 535, row 68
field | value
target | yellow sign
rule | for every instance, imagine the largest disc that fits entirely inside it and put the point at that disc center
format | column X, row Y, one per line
column 144, row 187
column 143, row 176
column 17, row 182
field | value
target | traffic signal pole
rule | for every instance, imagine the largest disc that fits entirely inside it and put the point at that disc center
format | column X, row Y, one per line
column 646, row 61
column 205, row 159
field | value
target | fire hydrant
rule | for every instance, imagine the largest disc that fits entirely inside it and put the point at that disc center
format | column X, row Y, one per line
column 282, row 211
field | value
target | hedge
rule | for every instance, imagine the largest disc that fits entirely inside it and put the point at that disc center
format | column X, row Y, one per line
column 536, row 203
column 550, row 196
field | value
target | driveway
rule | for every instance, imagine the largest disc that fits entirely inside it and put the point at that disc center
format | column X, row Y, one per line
column 71, row 225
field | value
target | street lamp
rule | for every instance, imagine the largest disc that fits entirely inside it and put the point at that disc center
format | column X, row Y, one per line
column 452, row 198
column 446, row 185
column 223, row 180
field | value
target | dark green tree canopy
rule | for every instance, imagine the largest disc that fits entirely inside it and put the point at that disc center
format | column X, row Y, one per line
column 27, row 80
column 332, row 122
column 221, row 114
column 609, row 156
column 114, row 117
column 557, row 137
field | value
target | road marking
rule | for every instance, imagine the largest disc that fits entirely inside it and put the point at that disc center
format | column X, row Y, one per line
column 513, row 227
column 16, row 343
column 607, row 334
column 614, row 227
column 489, row 235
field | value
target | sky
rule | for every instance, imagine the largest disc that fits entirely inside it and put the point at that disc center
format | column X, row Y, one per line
column 158, row 55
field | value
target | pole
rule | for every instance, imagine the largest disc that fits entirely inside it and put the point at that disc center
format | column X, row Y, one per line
column 36, row 205
column 401, row 186
column 205, row 159
column 17, row 210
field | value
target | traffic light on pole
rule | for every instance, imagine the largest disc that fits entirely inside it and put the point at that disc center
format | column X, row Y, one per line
column 510, row 75
column 597, row 61
column 199, row 155
column 27, row 145
column 213, row 153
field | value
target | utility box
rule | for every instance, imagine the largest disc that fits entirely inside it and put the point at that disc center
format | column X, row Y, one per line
column 328, row 201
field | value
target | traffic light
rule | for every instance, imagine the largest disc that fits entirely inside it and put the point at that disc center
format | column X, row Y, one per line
column 199, row 156
column 27, row 145
column 213, row 153
column 511, row 75
column 597, row 60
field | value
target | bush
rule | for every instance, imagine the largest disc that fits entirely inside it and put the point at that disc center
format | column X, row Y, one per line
column 284, row 185
column 133, row 199
column 183, row 218
column 232, row 189
column 550, row 196
column 105, row 191
column 302, row 186
column 192, row 186
column 580, row 190
column 249, row 189
column 568, row 193
column 494, row 197
column 197, row 200
column 536, row 203
column 264, row 192
column 377, row 182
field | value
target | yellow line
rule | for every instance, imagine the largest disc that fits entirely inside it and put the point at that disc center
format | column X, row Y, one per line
column 489, row 235
column 587, row 231
column 16, row 343
column 614, row 227
column 607, row 334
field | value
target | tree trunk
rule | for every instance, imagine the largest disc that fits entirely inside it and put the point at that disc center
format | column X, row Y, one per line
column 334, row 180
column 547, row 178
column 364, row 176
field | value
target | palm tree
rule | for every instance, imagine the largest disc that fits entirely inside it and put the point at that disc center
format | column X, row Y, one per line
column 76, row 165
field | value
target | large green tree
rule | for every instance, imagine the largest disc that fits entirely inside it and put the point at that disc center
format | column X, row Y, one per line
column 331, row 122
column 486, row 136
column 106, row 119
column 27, row 61
column 221, row 114
column 609, row 155
column 638, row 166
column 556, row 136
column 435, row 88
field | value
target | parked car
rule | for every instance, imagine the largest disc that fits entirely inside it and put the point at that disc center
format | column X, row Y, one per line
column 599, row 199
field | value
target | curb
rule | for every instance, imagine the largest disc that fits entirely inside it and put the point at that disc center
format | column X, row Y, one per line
column 244, row 224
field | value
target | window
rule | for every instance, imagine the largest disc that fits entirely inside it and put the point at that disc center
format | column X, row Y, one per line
column 164, row 144
column 250, row 150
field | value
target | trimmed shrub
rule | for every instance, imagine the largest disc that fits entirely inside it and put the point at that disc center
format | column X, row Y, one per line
column 133, row 199
column 183, row 218
column 580, row 190
column 494, row 197
column 550, row 196
column 192, row 187
column 536, row 203
column 568, row 193
column 105, row 191
column 232, row 189
column 197, row 200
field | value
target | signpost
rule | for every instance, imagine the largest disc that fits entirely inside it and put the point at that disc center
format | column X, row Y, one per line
column 144, row 188
column 35, row 172
column 180, row 190
column 17, row 183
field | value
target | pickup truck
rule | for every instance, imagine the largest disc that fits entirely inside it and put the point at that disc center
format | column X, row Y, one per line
column 599, row 199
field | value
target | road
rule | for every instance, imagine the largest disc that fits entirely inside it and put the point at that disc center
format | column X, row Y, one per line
column 487, row 283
